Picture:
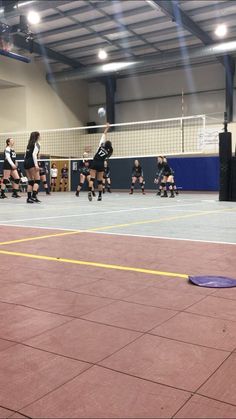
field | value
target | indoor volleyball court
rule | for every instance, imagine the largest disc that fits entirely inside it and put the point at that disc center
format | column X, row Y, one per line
column 101, row 290
column 117, row 209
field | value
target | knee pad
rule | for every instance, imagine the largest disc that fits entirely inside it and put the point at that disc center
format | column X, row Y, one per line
column 5, row 181
column 132, row 184
column 99, row 182
column 17, row 181
column 31, row 183
column 37, row 182
column 92, row 179
column 45, row 182
column 81, row 184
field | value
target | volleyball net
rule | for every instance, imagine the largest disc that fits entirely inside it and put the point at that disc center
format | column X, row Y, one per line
column 133, row 139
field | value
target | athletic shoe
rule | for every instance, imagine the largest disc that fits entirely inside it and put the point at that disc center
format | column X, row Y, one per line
column 131, row 192
column 77, row 193
column 15, row 195
column 159, row 193
column 108, row 190
column 35, row 199
column 144, row 193
column 3, row 196
column 29, row 201
column 164, row 195
column 90, row 198
column 48, row 193
column 99, row 198
column 171, row 196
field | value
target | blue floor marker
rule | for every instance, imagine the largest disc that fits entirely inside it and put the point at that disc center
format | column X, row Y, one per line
column 213, row 281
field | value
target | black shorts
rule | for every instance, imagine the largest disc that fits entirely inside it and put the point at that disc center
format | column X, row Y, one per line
column 7, row 166
column 29, row 163
column 97, row 165
column 167, row 174
column 85, row 173
column 137, row 177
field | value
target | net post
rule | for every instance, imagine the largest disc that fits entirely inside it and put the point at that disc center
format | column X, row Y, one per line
column 225, row 156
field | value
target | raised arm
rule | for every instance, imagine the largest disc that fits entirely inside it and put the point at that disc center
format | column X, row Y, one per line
column 103, row 138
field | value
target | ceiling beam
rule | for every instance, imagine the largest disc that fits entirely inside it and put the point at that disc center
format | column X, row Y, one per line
column 157, row 61
column 126, row 13
column 123, row 27
column 93, row 32
column 20, row 42
column 177, row 15
column 84, row 9
column 171, row 9
column 99, row 21
column 76, row 52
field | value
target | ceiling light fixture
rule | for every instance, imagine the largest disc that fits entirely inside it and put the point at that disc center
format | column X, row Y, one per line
column 102, row 54
column 221, row 31
column 33, row 18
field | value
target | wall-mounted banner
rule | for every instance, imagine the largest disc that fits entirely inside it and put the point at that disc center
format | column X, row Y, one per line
column 208, row 139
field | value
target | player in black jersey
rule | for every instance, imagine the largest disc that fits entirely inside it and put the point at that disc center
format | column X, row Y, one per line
column 106, row 178
column 10, row 169
column 43, row 175
column 159, row 174
column 84, row 174
column 64, row 178
column 137, row 175
column 163, row 172
column 32, row 168
column 170, row 182
column 104, row 151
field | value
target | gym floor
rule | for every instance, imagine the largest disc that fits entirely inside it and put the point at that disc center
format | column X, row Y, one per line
column 95, row 300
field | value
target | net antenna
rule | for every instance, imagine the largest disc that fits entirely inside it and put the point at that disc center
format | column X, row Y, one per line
column 182, row 103
column 182, row 121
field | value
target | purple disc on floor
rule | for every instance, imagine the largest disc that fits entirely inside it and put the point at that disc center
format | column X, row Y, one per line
column 213, row 281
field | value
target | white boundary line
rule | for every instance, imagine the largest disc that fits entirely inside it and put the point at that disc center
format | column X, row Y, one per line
column 160, row 237
column 120, row 234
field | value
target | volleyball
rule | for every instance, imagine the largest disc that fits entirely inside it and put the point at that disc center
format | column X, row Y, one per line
column 101, row 112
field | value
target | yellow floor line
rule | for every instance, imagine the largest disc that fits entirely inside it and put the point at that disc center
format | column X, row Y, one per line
column 159, row 220
column 95, row 264
column 40, row 237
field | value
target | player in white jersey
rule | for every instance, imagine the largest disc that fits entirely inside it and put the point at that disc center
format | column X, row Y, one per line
column 10, row 169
